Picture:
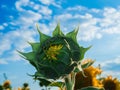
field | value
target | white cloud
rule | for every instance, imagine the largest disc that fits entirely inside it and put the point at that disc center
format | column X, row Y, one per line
column 112, row 61
column 44, row 28
column 76, row 8
column 29, row 18
column 114, row 74
column 5, row 24
column 4, row 45
column 93, row 25
column 1, row 27
column 3, row 62
column 48, row 2
column 51, row 2
column 88, row 29
column 110, row 23
column 22, row 4
column 45, row 10
column 64, row 17
column 110, row 67
column 19, row 4
column 95, row 10
column 30, row 11
column 15, row 40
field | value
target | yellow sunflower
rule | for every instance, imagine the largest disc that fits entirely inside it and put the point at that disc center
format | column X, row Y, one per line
column 25, row 86
column 19, row 88
column 110, row 83
column 7, row 85
column 89, row 79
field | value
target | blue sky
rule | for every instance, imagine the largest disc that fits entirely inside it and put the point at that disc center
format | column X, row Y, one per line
column 99, row 22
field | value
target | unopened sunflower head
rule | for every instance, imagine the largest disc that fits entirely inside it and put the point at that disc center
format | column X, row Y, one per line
column 110, row 83
column 57, row 55
column 88, row 79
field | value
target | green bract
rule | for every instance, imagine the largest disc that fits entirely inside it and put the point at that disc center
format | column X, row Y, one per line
column 56, row 56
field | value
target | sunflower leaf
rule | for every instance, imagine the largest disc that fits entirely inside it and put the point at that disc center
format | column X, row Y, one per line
column 57, row 31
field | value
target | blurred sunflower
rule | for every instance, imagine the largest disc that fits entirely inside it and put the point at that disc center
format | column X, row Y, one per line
column 111, row 84
column 7, row 85
column 89, row 79
column 25, row 86
column 19, row 88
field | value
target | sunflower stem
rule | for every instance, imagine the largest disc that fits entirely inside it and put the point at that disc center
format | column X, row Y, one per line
column 70, row 81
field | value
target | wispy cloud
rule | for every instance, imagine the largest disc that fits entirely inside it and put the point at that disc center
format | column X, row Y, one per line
column 51, row 2
column 112, row 61
column 1, row 27
column 94, row 23
column 110, row 67
column 23, row 31
column 3, row 61
column 114, row 74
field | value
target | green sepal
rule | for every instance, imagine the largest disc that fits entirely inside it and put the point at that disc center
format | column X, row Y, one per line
column 43, row 37
column 87, row 64
column 92, row 88
column 57, row 31
column 38, row 76
column 83, row 51
column 76, row 70
column 44, row 82
column 73, row 35
column 70, row 68
column 35, row 46
column 57, row 84
column 29, row 56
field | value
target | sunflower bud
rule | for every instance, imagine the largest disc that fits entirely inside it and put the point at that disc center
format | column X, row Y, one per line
column 57, row 55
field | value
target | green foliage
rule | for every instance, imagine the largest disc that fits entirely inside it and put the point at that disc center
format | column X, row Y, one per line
column 1, row 87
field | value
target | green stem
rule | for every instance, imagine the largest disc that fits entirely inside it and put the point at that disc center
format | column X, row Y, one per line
column 70, row 81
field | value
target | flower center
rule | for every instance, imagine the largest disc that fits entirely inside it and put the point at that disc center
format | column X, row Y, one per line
column 53, row 51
